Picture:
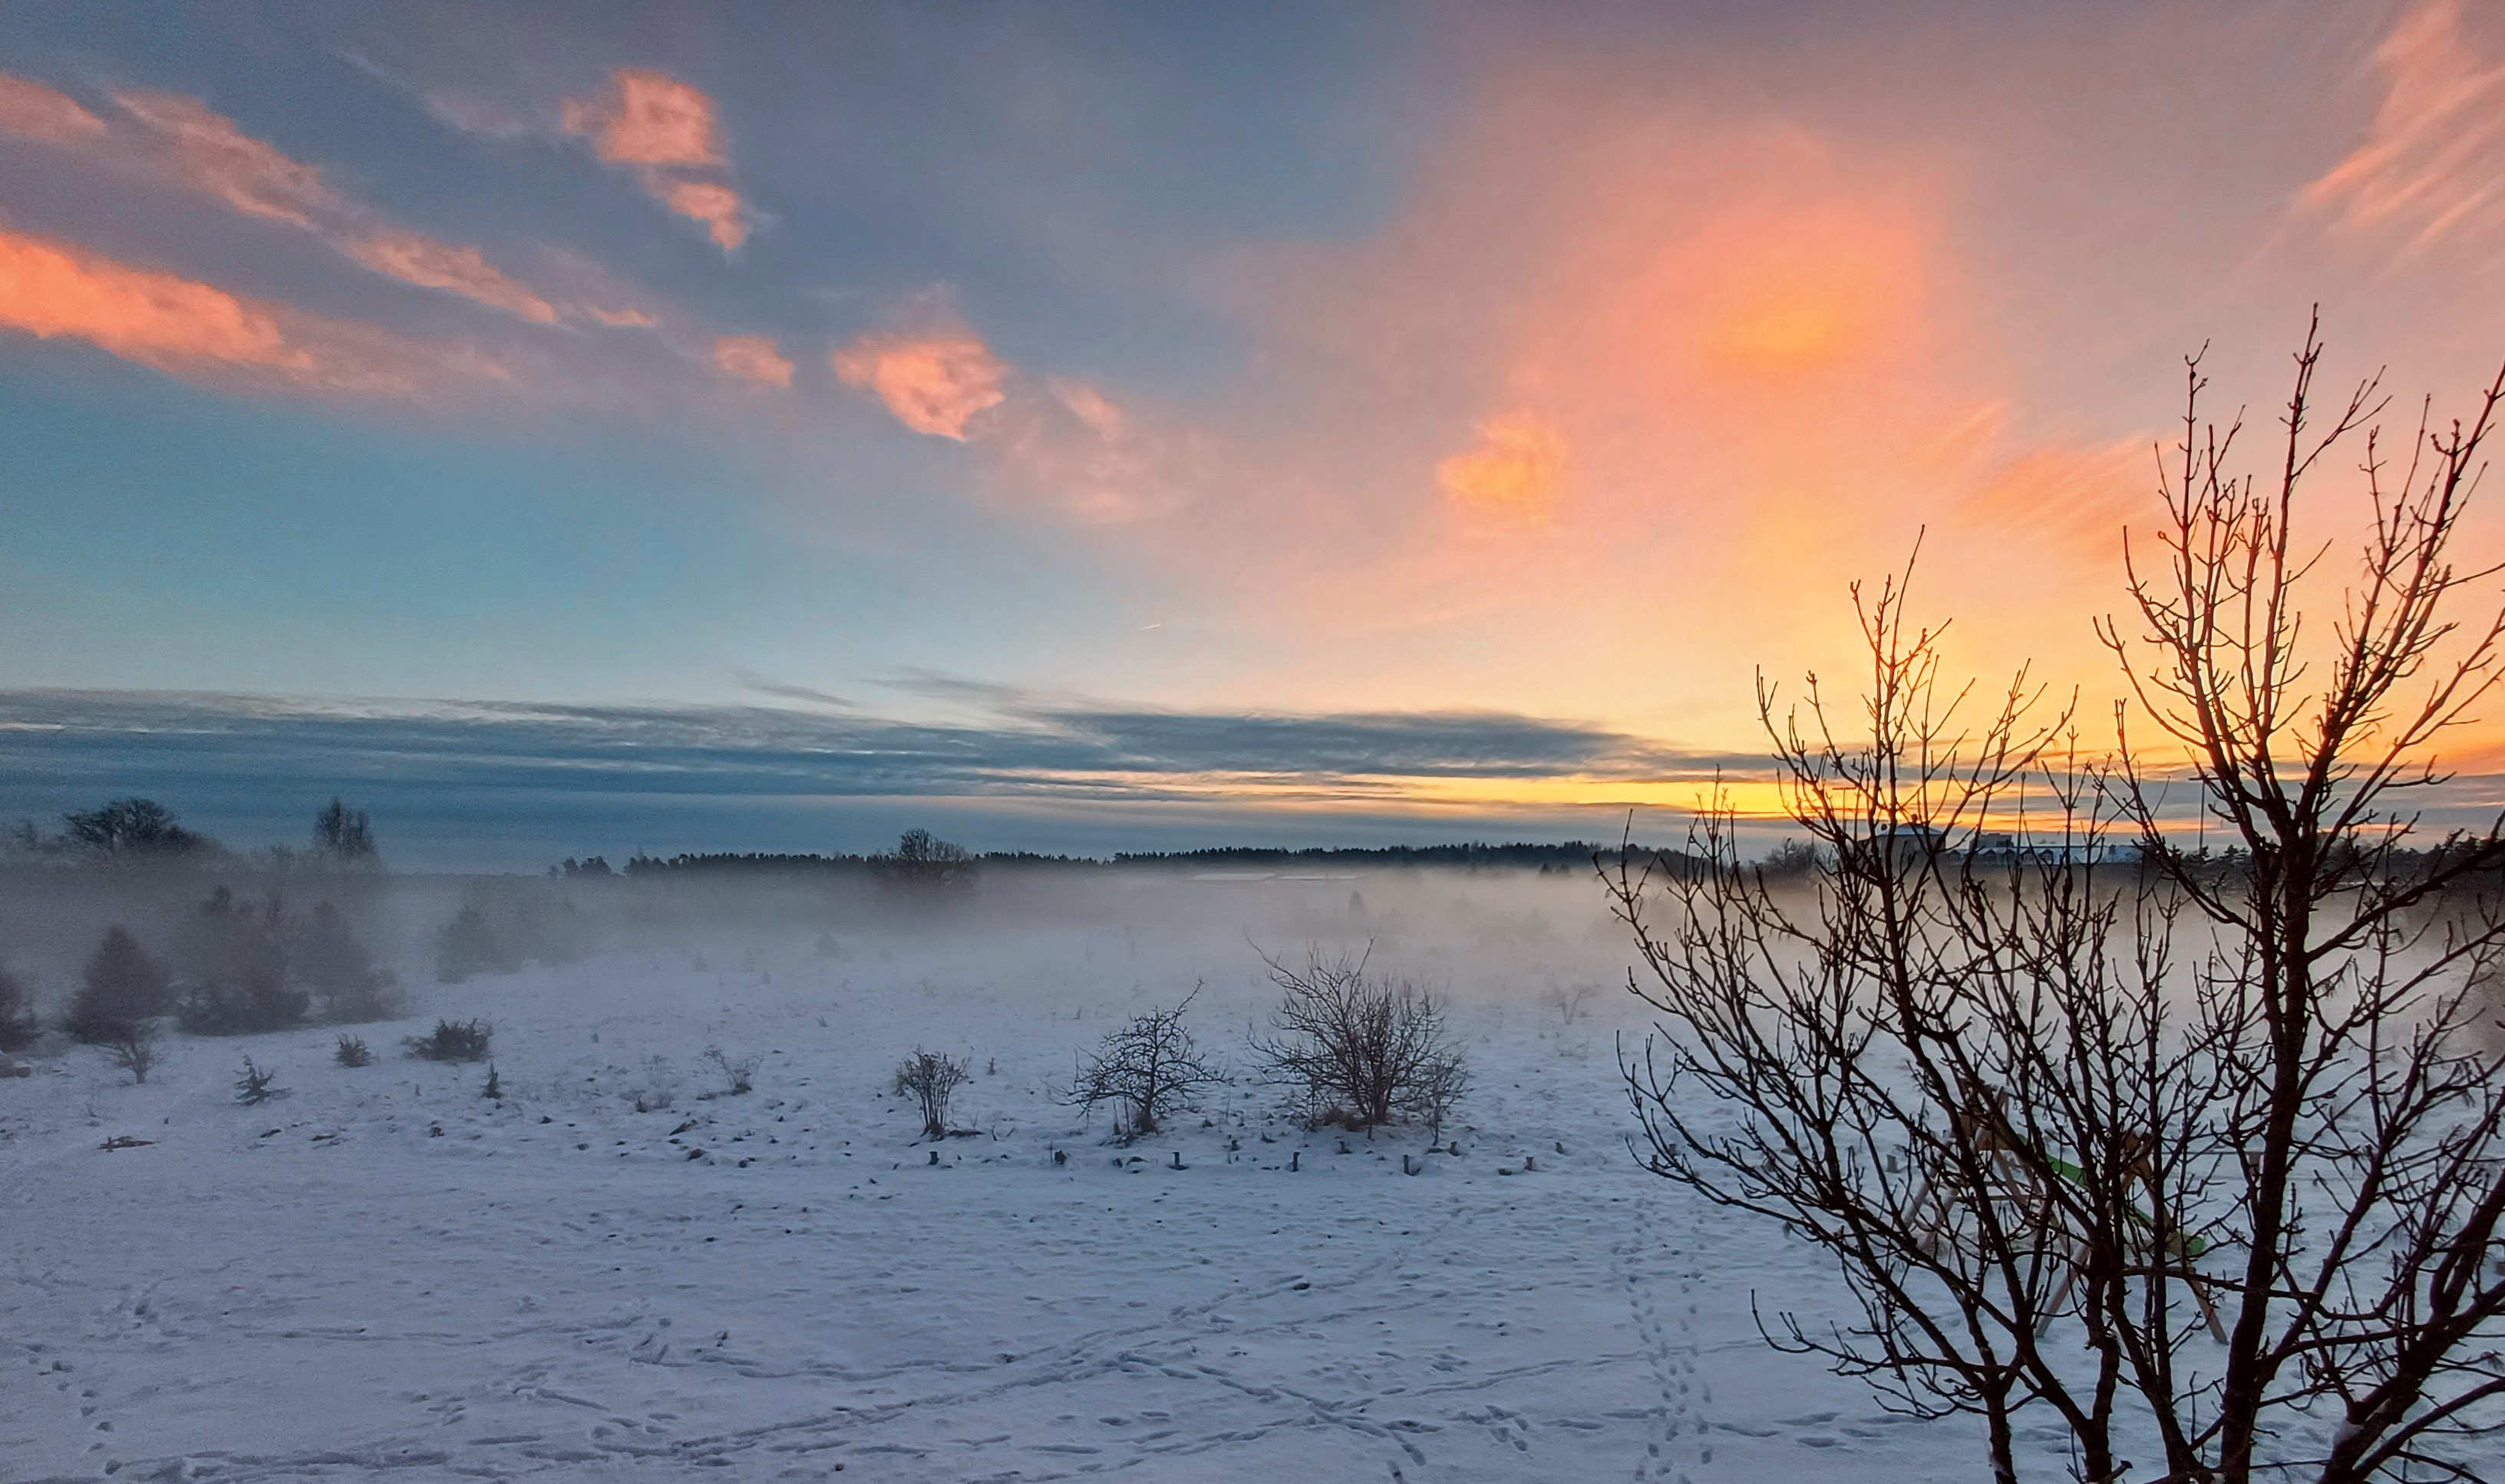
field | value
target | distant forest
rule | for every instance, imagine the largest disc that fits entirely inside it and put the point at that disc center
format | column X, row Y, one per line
column 1574, row 855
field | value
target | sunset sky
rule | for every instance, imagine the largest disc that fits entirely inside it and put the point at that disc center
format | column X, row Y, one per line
column 1103, row 427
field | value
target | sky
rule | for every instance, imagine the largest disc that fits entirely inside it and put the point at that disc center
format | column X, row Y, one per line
column 1101, row 427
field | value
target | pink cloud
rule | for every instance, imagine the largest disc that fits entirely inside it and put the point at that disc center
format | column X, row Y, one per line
column 1514, row 472
column 462, row 270
column 37, row 112
column 2435, row 152
column 710, row 202
column 936, row 383
column 752, row 358
column 620, row 318
column 665, row 131
column 55, row 289
column 648, row 119
column 210, row 155
column 48, row 289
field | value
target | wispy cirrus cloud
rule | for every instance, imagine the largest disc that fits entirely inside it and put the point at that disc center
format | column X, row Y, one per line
column 666, row 132
column 36, row 112
column 183, row 142
column 464, row 271
column 206, row 152
column 2432, row 164
column 50, row 290
column 752, row 358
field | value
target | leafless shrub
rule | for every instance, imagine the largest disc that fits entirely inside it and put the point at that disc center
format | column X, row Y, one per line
column 1373, row 1048
column 1792, row 860
column 1571, row 1002
column 1149, row 1068
column 660, row 1089
column 135, row 1049
column 739, row 1072
column 931, row 1080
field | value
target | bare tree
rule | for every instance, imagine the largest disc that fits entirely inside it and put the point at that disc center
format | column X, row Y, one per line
column 1149, row 1068
column 2063, row 1101
column 344, row 838
column 133, row 829
column 2360, row 1141
column 135, row 1049
column 1848, row 1059
column 1366, row 1048
column 924, row 862
column 931, row 1081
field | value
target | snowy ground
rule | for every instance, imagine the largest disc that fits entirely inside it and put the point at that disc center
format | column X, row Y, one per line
column 385, row 1272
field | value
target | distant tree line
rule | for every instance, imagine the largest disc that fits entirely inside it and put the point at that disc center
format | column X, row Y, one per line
column 918, row 855
column 141, row 831
column 1572, row 854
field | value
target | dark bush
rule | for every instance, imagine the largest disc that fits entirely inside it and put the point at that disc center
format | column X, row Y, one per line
column 452, row 1041
column 120, row 988
column 353, row 1053
column 548, row 930
column 234, row 969
column 253, row 1085
column 469, row 944
column 329, row 961
column 17, row 1016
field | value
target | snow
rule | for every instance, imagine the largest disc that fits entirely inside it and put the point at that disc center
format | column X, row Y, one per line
column 385, row 1272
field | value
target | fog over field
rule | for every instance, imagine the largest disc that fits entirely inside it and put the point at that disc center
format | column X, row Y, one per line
column 1441, row 741
column 382, row 1270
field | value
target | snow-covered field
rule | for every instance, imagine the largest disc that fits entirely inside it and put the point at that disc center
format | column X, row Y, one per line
column 385, row 1272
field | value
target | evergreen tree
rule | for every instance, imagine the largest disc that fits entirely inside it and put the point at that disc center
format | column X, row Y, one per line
column 236, row 970
column 328, row 959
column 121, row 987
